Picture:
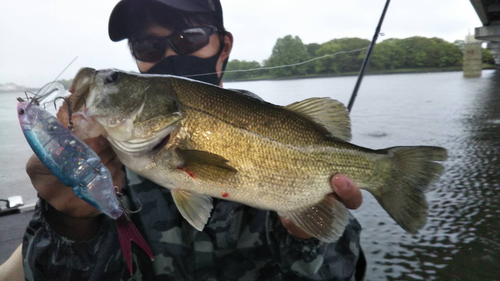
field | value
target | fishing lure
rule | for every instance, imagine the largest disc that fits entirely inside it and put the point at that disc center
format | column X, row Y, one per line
column 75, row 164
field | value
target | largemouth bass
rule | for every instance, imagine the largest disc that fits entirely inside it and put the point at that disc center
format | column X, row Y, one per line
column 202, row 141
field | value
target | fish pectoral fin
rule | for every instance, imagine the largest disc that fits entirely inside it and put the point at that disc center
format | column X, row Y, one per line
column 325, row 221
column 329, row 114
column 194, row 207
column 194, row 158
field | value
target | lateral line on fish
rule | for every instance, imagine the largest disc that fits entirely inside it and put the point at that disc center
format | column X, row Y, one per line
column 278, row 143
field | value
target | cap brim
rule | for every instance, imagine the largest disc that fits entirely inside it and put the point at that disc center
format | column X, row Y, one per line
column 118, row 21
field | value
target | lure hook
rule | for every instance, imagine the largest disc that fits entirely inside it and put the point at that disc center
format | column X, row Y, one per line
column 128, row 212
column 70, row 112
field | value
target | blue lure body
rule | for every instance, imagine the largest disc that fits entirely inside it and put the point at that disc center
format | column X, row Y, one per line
column 76, row 165
column 72, row 161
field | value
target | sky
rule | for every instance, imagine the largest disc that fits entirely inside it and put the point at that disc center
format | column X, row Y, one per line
column 40, row 38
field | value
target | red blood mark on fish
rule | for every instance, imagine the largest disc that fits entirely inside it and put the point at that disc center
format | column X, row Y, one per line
column 187, row 171
column 225, row 194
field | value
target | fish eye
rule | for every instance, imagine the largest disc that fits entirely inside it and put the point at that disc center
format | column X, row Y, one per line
column 21, row 111
column 112, row 77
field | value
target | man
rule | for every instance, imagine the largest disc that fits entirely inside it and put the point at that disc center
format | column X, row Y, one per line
column 69, row 240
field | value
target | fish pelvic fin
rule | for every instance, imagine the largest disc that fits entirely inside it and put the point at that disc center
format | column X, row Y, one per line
column 402, row 193
column 127, row 232
column 325, row 221
column 329, row 114
column 194, row 207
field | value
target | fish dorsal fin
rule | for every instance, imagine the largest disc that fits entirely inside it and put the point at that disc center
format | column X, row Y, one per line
column 330, row 114
column 194, row 207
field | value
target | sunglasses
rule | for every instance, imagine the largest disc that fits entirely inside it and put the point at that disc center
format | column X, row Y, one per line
column 183, row 42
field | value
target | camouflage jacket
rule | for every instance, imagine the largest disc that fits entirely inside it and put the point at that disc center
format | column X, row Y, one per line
column 238, row 243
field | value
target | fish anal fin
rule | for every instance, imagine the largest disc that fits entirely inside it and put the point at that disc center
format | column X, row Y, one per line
column 329, row 114
column 325, row 221
column 194, row 207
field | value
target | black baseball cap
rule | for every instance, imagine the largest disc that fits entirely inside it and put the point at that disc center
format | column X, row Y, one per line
column 125, row 14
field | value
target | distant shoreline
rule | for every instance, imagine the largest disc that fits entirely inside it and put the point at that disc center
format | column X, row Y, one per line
column 271, row 78
column 368, row 72
column 18, row 90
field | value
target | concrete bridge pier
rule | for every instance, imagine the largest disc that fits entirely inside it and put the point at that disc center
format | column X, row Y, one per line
column 489, row 14
column 473, row 62
column 494, row 48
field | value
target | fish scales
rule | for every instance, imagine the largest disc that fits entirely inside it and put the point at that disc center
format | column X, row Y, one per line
column 274, row 169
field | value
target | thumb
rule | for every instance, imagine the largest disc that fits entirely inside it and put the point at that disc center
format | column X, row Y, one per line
column 347, row 191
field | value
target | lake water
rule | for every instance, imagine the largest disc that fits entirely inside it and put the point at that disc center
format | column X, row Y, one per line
column 461, row 240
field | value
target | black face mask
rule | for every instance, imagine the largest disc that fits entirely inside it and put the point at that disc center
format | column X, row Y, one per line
column 187, row 66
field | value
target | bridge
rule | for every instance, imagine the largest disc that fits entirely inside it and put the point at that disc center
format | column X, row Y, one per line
column 489, row 14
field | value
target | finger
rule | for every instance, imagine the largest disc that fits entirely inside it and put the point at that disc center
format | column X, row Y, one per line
column 97, row 144
column 117, row 174
column 107, row 156
column 114, row 166
column 74, row 206
column 34, row 167
column 347, row 191
column 294, row 229
column 119, row 180
column 63, row 114
column 58, row 195
column 45, row 183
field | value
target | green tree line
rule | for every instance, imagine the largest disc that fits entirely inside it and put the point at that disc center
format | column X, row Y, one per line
column 390, row 54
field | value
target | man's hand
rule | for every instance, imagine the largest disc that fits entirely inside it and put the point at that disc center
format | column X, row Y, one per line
column 69, row 215
column 344, row 189
column 62, row 197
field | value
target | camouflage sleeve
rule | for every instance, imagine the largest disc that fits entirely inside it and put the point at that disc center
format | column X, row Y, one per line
column 311, row 259
column 50, row 256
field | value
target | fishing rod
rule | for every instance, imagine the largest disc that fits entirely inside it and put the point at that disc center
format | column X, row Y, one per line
column 367, row 58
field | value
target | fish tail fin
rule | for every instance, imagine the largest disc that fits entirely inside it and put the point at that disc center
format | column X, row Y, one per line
column 127, row 232
column 412, row 170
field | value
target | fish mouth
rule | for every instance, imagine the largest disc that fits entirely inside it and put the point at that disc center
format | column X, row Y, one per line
column 161, row 144
column 139, row 147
